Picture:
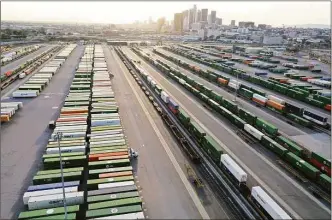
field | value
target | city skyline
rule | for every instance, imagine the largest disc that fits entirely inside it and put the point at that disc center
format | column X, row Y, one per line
column 273, row 13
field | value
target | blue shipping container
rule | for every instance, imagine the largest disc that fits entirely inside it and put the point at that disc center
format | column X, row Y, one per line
column 260, row 73
column 173, row 104
column 52, row 186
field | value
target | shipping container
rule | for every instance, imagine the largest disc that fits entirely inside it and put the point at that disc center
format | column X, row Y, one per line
column 266, row 127
column 247, row 116
column 274, row 146
column 106, row 212
column 212, row 148
column 302, row 165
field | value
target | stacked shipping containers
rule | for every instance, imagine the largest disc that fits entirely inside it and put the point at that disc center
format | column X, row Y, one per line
column 112, row 193
column 45, row 197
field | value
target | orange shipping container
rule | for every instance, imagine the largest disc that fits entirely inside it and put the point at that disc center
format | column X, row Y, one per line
column 9, row 73
column 4, row 118
column 116, row 174
column 275, row 105
column 222, row 81
column 197, row 69
column 94, row 157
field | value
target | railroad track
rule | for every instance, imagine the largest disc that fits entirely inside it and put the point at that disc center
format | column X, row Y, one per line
column 226, row 193
column 246, row 137
column 14, row 77
column 321, row 129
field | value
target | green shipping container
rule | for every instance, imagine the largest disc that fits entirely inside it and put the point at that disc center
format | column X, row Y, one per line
column 231, row 106
column 314, row 102
column 247, row 116
column 114, row 211
column 216, row 97
column 108, row 164
column 93, row 183
column 300, row 120
column 67, row 162
column 290, row 145
column 266, row 127
column 196, row 130
column 258, row 92
column 184, row 118
column 113, row 196
column 203, row 97
column 212, row 148
column 302, row 165
column 115, row 203
column 56, row 177
column 325, row 181
column 274, row 146
column 48, row 212
column 70, row 216
column 246, row 93
column 237, row 121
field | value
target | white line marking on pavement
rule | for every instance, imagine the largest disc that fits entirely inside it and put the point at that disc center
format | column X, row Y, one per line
column 177, row 167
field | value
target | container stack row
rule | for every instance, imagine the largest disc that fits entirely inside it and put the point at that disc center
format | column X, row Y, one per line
column 44, row 198
column 66, row 52
column 111, row 189
column 9, row 57
column 37, row 83
column 8, row 109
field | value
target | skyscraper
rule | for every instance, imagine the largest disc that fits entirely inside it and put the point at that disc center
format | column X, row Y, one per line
column 191, row 17
column 233, row 23
column 204, row 16
column 213, row 17
column 198, row 16
column 178, row 22
column 195, row 12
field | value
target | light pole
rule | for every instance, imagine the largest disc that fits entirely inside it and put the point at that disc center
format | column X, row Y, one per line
column 58, row 137
column 237, row 80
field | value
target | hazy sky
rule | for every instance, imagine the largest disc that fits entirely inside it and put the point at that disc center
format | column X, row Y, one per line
column 274, row 13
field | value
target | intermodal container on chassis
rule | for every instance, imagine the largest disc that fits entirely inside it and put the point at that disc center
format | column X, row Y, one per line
column 232, row 167
column 108, row 164
column 47, row 212
column 93, row 184
column 259, row 99
column 52, row 186
column 267, row 204
column 28, row 195
column 107, row 197
column 113, row 211
column 115, row 203
column 56, row 177
column 136, row 215
column 53, row 201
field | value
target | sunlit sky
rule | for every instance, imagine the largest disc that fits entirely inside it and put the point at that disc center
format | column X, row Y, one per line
column 273, row 13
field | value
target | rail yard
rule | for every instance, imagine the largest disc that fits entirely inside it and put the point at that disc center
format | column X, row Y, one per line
column 179, row 131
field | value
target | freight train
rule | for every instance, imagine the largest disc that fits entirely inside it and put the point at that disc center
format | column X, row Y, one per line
column 263, row 131
column 258, row 196
column 298, row 93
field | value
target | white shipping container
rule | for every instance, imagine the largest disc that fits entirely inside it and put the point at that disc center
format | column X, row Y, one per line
column 107, row 143
column 276, row 99
column 253, row 131
column 181, row 81
column 25, row 93
column 164, row 96
column 232, row 167
column 268, row 204
column 8, row 111
column 234, row 86
column 109, row 132
column 9, row 105
column 136, row 215
column 52, row 201
column 117, row 184
column 55, row 150
column 259, row 97
column 28, row 195
column 149, row 79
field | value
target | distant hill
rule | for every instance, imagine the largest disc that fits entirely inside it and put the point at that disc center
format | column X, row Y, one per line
column 322, row 26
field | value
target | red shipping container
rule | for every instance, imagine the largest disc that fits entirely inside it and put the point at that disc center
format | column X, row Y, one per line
column 321, row 166
column 328, row 107
column 175, row 111
column 95, row 157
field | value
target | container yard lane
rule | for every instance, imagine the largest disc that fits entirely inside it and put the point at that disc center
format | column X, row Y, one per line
column 23, row 140
column 263, row 113
column 300, row 104
column 285, row 190
column 18, row 62
column 164, row 193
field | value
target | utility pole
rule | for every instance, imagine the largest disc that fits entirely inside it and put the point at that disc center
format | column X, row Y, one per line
column 58, row 137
